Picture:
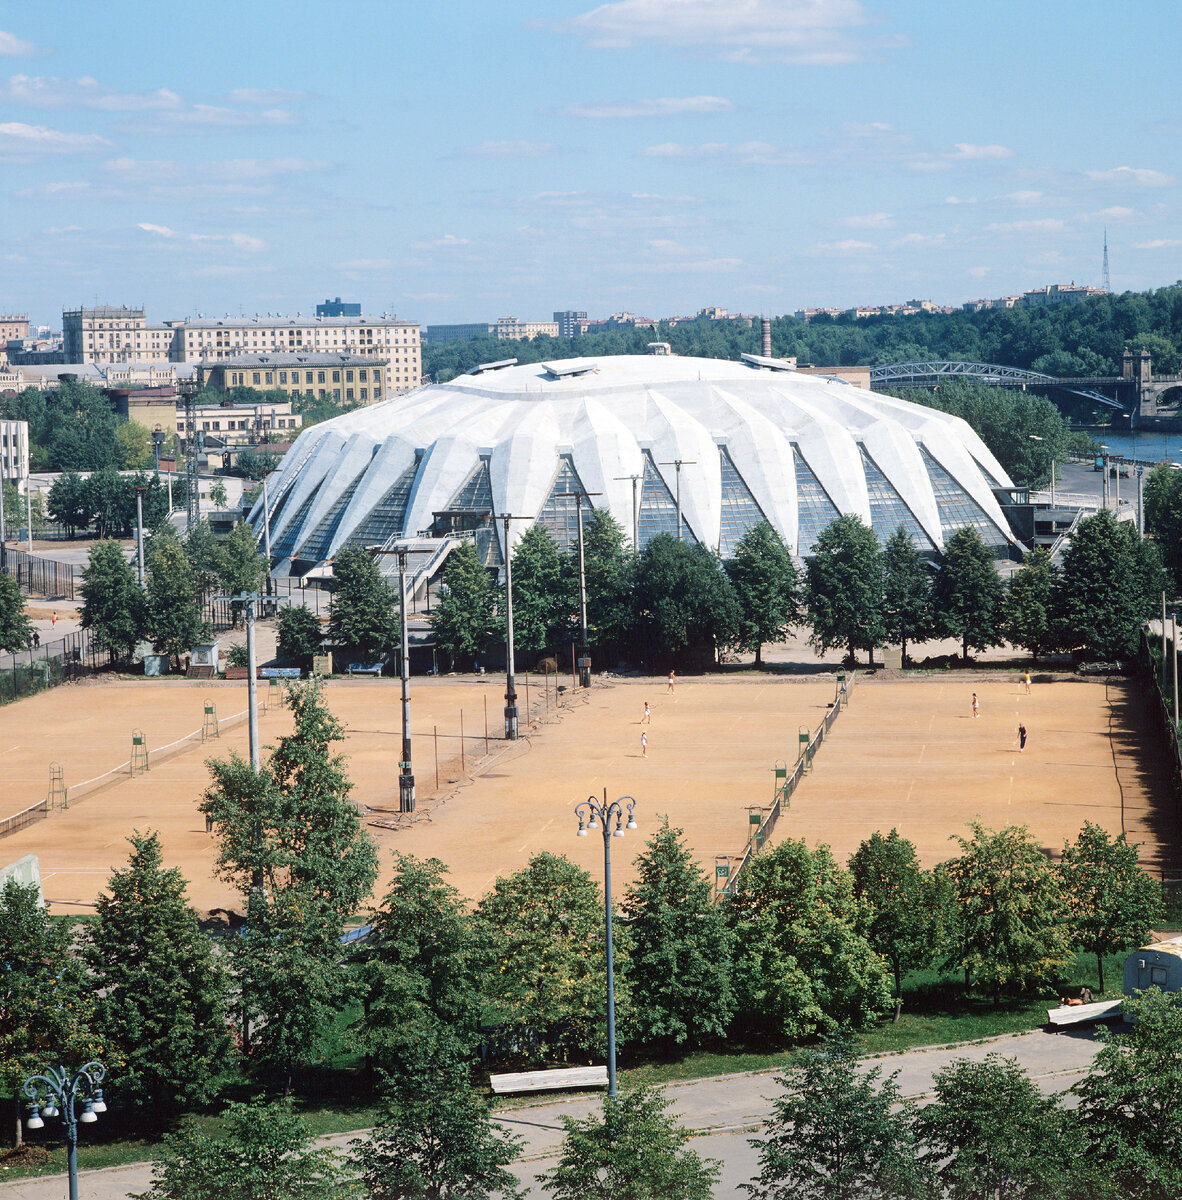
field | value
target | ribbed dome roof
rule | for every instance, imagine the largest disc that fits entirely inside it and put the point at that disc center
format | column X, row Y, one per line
column 754, row 441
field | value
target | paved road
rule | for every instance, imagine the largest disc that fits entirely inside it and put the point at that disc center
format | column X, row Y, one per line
column 722, row 1111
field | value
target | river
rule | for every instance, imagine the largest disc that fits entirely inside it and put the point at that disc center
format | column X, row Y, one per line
column 1153, row 444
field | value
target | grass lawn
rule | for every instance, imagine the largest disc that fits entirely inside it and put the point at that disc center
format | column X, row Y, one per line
column 337, row 1097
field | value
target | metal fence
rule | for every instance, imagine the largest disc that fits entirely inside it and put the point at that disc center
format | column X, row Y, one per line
column 28, row 672
column 39, row 576
column 783, row 794
column 24, row 818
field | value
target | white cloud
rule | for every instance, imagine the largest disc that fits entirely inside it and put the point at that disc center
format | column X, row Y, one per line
column 27, row 141
column 513, row 149
column 1024, row 198
column 879, row 220
column 1038, row 225
column 960, row 199
column 55, row 230
column 12, row 47
column 47, row 91
column 966, row 150
column 760, row 154
column 845, row 246
column 978, row 272
column 199, row 118
column 265, row 97
column 666, row 106
column 1139, row 176
column 137, row 170
column 811, row 32
column 365, row 264
column 1117, row 212
column 917, row 239
column 449, row 239
column 240, row 241
column 1158, row 244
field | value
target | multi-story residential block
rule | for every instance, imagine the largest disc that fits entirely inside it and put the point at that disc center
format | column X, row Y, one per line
column 338, row 308
column 393, row 341
column 1054, row 294
column 14, row 449
column 510, row 329
column 347, row 378
column 107, row 333
column 239, row 423
column 436, row 334
column 14, row 327
column 571, row 323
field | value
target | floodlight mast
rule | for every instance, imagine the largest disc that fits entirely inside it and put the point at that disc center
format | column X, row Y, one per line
column 679, row 463
column 406, row 779
column 635, row 508
column 510, row 669
column 585, row 641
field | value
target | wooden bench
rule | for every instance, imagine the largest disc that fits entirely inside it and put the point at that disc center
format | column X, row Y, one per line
column 1080, row 1014
column 547, row 1081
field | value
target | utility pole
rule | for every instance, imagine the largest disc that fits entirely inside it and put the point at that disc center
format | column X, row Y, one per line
column 635, row 509
column 248, row 600
column 192, row 450
column 267, row 533
column 679, row 463
column 406, row 779
column 3, row 529
column 585, row 641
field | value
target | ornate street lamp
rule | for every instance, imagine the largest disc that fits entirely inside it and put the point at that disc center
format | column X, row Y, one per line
column 594, row 814
column 55, row 1094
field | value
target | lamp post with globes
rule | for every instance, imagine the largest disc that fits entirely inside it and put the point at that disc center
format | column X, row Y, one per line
column 55, row 1094
column 594, row 813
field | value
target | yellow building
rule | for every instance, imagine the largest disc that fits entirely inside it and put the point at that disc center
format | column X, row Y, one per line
column 345, row 378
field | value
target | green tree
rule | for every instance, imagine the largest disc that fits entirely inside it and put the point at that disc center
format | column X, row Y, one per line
column 837, row 1133
column 906, row 592
column 110, row 499
column 766, row 588
column 113, row 607
column 631, row 1150
column 1163, row 518
column 989, row 1134
column 606, row 570
column 162, row 991
column 421, row 967
column 263, row 1153
column 217, row 494
column 133, row 443
column 435, row 1138
column 16, row 630
column 204, row 553
column 1012, row 915
column 173, row 616
column 463, row 620
column 1113, row 904
column 679, row 970
column 897, row 893
column 1028, row 612
column 542, row 600
column 242, row 568
column 546, row 962
column 1128, row 1112
column 46, row 1001
column 362, row 614
column 1111, row 581
column 682, row 601
column 967, row 596
column 299, row 634
column 68, row 502
column 844, row 587
column 801, row 965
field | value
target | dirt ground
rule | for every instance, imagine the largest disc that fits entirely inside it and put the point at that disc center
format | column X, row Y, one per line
column 906, row 753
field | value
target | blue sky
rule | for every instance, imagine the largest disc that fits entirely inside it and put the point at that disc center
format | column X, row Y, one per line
column 462, row 160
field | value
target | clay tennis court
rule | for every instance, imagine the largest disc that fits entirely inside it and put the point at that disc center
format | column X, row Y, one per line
column 906, row 753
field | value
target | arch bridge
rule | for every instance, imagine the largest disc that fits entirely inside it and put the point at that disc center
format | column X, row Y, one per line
column 929, row 374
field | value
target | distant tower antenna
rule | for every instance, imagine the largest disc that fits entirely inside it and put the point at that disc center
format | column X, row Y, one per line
column 1106, row 283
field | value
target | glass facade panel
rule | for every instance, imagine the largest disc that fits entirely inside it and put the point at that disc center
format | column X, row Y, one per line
column 993, row 483
column 476, row 493
column 740, row 511
column 958, row 510
column 814, row 508
column 316, row 546
column 385, row 520
column 888, row 510
column 285, row 544
column 560, row 513
column 658, row 508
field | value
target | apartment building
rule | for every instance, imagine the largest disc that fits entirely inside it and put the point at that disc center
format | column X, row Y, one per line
column 388, row 342
column 109, row 333
column 510, row 329
column 14, row 327
column 571, row 322
column 14, row 449
column 245, row 423
column 348, row 378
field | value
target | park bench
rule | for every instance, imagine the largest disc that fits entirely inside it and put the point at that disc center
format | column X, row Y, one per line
column 364, row 668
column 279, row 672
column 1081, row 1014
column 547, row 1081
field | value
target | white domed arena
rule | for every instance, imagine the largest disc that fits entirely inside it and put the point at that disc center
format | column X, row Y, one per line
column 737, row 442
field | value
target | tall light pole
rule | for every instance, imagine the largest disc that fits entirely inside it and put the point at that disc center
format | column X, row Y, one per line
column 679, row 463
column 593, row 814
column 3, row 528
column 55, row 1094
column 635, row 508
column 139, row 533
column 406, row 779
column 158, row 436
column 585, row 641
column 1104, row 490
column 1140, row 503
column 510, row 670
column 267, row 533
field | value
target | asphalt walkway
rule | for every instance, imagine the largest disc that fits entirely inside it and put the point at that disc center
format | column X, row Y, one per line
column 723, row 1112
